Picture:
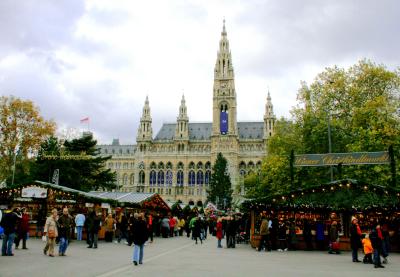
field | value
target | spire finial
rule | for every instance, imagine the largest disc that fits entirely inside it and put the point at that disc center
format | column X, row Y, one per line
column 223, row 27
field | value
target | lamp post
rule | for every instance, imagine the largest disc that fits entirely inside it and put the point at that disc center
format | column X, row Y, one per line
column 330, row 142
column 15, row 157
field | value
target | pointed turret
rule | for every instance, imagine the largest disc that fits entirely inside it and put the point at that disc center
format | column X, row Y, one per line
column 269, row 118
column 182, row 124
column 145, row 131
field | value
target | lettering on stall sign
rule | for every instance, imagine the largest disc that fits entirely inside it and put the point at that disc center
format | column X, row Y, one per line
column 342, row 158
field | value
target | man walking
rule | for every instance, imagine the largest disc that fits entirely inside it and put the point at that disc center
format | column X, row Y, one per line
column 9, row 223
column 140, row 236
column 65, row 223
column 93, row 227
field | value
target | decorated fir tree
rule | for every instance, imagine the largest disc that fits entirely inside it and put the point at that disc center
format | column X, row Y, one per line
column 220, row 191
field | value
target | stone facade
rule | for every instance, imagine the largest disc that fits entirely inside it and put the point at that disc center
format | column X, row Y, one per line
column 177, row 162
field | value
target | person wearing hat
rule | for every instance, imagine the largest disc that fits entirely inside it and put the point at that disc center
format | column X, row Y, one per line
column 355, row 239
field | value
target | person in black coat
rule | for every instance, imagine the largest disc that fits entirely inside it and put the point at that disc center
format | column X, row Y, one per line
column 307, row 235
column 376, row 238
column 355, row 239
column 198, row 225
column 9, row 223
column 140, row 236
column 93, row 226
column 231, row 230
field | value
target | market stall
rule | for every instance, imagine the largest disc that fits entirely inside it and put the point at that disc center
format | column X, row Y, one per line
column 335, row 201
column 40, row 198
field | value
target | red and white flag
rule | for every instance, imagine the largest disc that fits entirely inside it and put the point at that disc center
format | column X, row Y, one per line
column 85, row 120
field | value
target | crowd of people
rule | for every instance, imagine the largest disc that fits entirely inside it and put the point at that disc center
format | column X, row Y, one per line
column 138, row 228
column 281, row 235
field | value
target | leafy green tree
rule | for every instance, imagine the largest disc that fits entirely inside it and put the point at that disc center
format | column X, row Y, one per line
column 79, row 163
column 220, row 184
column 359, row 104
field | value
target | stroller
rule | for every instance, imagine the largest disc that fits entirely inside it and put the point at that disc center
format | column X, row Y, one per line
column 242, row 237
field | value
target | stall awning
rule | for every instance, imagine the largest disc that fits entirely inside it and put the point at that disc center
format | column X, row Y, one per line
column 144, row 200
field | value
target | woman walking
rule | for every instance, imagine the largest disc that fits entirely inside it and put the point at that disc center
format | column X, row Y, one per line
column 109, row 224
column 140, row 236
column 51, row 231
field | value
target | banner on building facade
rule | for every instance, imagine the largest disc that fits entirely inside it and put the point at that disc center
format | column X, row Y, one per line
column 224, row 122
column 342, row 158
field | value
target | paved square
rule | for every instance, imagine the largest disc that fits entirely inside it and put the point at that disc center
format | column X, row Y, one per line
column 181, row 257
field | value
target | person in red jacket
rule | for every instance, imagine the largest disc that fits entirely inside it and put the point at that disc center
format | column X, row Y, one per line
column 22, row 229
column 172, row 223
column 219, row 232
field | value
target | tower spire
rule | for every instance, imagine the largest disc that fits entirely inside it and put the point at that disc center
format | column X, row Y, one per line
column 223, row 66
column 182, row 125
column 145, row 131
column 269, row 118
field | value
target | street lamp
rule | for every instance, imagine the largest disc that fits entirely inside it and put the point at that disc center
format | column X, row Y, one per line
column 15, row 157
column 330, row 142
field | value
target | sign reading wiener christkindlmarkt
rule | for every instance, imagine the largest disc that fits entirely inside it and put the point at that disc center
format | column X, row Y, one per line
column 342, row 158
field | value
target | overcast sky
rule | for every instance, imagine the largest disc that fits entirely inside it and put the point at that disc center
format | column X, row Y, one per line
column 99, row 59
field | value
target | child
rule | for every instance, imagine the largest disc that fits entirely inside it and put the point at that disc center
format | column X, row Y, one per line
column 367, row 250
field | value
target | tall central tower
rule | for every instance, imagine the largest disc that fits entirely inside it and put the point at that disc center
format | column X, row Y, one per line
column 224, row 137
column 224, row 96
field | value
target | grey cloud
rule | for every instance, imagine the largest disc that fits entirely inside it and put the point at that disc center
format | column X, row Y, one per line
column 321, row 32
column 30, row 24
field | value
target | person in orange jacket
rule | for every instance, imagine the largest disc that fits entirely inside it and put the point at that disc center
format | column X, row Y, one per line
column 368, row 250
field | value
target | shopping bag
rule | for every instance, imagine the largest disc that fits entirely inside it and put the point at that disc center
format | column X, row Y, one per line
column 335, row 245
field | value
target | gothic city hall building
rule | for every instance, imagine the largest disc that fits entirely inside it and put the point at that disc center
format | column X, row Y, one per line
column 177, row 162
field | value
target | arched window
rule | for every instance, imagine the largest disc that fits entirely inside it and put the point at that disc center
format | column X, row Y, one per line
column 125, row 179
column 192, row 178
column 168, row 178
column 207, row 178
column 179, row 178
column 142, row 178
column 200, row 178
column 180, row 165
column 153, row 178
column 208, row 165
column 199, row 165
column 242, row 172
column 153, row 165
column 191, row 165
column 132, row 179
column 258, row 165
column 242, row 164
column 169, row 165
column 160, row 165
column 160, row 178
column 251, row 164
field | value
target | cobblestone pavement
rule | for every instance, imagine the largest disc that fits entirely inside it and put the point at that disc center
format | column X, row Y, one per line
column 181, row 257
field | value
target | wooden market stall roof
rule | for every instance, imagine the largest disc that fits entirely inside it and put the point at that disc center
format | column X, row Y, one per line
column 67, row 190
column 339, row 194
column 143, row 200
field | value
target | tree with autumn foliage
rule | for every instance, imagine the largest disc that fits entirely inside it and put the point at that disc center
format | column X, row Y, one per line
column 23, row 130
column 360, row 104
